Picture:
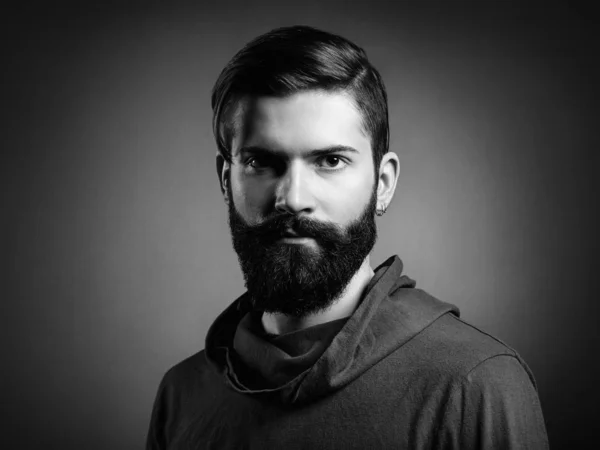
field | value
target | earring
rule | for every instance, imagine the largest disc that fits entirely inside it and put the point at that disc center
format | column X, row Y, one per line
column 380, row 211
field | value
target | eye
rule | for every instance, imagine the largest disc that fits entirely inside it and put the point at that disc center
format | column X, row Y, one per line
column 257, row 162
column 332, row 162
column 262, row 165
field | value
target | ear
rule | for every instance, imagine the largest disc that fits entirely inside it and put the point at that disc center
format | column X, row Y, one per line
column 223, row 171
column 389, row 171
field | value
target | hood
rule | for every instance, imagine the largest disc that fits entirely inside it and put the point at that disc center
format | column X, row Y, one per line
column 391, row 312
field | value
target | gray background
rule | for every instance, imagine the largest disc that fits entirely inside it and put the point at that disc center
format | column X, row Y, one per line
column 115, row 246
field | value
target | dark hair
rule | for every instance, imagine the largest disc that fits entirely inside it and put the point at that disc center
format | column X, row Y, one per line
column 293, row 59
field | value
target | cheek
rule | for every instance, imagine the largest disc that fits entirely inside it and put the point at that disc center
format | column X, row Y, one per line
column 347, row 200
column 251, row 199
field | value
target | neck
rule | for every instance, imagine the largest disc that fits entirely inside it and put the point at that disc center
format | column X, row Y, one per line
column 343, row 306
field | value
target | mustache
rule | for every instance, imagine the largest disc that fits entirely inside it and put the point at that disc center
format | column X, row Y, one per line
column 275, row 227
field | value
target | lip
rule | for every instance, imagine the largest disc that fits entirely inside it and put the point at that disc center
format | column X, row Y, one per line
column 295, row 239
column 290, row 233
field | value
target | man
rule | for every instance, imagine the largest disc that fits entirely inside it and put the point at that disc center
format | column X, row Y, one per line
column 322, row 351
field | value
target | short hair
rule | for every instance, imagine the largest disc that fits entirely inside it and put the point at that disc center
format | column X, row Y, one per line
column 288, row 60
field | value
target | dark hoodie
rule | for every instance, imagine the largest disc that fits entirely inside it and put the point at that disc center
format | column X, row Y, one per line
column 402, row 372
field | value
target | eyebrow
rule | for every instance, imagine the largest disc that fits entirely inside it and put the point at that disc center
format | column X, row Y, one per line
column 312, row 153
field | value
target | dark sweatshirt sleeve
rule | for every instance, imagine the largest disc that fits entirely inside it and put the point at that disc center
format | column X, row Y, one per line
column 161, row 420
column 497, row 407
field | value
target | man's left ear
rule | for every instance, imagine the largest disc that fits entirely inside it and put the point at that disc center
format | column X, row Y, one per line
column 389, row 171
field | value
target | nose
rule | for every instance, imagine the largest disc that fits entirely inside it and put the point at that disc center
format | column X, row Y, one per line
column 294, row 192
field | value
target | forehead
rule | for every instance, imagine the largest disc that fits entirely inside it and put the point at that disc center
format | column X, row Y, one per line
column 303, row 121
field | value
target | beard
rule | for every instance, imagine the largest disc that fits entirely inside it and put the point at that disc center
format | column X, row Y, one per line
column 298, row 279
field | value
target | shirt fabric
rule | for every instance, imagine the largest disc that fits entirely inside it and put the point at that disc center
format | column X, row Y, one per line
column 403, row 372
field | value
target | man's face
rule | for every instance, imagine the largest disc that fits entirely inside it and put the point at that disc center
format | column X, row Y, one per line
column 301, row 192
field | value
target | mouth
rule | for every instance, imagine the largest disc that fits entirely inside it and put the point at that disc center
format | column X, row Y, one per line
column 296, row 240
column 291, row 233
column 289, row 236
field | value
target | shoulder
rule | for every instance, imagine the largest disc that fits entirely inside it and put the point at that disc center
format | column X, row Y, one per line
column 184, row 376
column 491, row 399
column 186, row 381
column 189, row 368
column 463, row 350
column 190, row 365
